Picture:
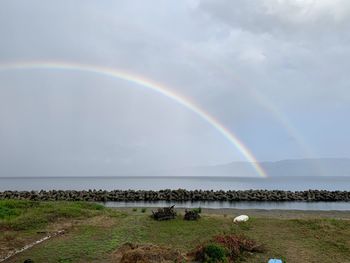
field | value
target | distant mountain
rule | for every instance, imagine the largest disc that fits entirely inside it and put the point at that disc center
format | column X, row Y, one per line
column 284, row 168
column 308, row 167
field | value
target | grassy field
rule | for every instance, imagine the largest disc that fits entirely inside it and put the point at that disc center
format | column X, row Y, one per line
column 93, row 233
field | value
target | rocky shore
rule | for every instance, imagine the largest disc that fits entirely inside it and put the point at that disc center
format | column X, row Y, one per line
column 178, row 195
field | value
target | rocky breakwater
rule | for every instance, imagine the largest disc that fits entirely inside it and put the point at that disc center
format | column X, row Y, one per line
column 178, row 195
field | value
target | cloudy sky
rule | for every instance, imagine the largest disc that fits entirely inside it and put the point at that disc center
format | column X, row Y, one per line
column 273, row 72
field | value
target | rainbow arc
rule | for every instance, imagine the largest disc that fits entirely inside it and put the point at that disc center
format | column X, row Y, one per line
column 149, row 84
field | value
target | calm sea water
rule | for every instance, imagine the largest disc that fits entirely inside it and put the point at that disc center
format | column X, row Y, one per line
column 315, row 206
column 157, row 183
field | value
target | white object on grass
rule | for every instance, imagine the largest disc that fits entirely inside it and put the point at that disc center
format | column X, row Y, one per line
column 241, row 218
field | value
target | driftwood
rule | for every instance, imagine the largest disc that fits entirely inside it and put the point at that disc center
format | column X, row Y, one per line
column 165, row 213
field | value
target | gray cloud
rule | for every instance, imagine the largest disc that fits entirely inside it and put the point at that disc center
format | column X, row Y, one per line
column 295, row 54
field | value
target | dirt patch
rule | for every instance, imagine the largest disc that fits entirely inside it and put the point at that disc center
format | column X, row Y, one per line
column 11, row 241
column 130, row 253
column 30, row 245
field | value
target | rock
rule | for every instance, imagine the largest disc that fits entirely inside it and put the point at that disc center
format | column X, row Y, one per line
column 178, row 195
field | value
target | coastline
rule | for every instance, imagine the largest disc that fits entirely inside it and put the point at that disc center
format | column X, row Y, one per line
column 179, row 195
column 260, row 213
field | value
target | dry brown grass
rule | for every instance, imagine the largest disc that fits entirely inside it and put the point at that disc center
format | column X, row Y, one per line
column 130, row 253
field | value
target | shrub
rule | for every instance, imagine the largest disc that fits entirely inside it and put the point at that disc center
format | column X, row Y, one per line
column 197, row 210
column 211, row 253
column 191, row 215
column 225, row 248
column 143, row 210
column 238, row 244
column 134, row 209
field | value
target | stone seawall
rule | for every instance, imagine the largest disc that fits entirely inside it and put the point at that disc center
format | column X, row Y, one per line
column 177, row 195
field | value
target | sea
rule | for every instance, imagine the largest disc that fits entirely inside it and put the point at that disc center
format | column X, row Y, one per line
column 191, row 183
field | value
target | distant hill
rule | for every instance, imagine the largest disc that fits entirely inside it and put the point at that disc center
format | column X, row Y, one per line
column 309, row 167
column 284, row 168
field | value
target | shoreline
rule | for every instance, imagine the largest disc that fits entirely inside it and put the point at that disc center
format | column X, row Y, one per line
column 180, row 195
column 258, row 213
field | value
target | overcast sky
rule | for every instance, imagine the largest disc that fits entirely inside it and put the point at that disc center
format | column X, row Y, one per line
column 273, row 72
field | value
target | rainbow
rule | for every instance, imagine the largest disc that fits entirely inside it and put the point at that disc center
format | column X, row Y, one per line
column 260, row 98
column 156, row 87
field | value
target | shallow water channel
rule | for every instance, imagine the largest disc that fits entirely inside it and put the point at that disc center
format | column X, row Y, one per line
column 311, row 206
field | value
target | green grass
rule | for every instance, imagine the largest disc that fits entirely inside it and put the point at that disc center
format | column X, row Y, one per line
column 180, row 233
column 313, row 240
column 85, row 243
column 26, row 215
column 99, row 231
